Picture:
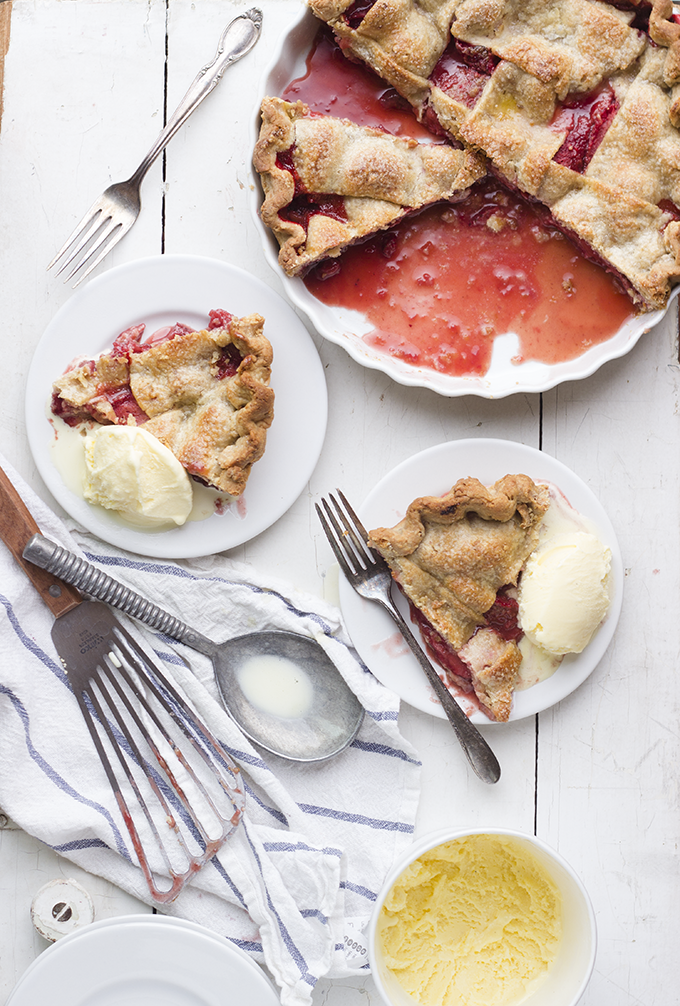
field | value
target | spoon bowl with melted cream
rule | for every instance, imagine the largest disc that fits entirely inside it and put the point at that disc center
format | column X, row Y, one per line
column 287, row 695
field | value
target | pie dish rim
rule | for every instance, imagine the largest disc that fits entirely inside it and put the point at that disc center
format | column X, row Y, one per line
column 284, row 464
column 344, row 327
column 487, row 459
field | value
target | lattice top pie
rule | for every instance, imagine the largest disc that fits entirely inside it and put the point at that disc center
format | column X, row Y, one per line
column 204, row 394
column 574, row 103
column 452, row 556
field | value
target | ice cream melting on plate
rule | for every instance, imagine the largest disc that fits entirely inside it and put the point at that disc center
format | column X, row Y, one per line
column 564, row 591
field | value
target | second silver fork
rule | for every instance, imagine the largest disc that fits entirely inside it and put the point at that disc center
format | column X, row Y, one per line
column 369, row 574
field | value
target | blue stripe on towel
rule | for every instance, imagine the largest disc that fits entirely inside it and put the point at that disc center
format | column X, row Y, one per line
column 249, row 945
column 79, row 844
column 365, row 892
column 343, row 815
column 33, row 647
column 229, row 882
column 273, row 811
column 384, row 749
column 383, row 714
column 300, row 846
column 291, row 947
column 57, row 779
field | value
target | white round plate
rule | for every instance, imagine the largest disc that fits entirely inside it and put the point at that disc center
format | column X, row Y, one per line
column 145, row 960
column 160, row 291
column 432, row 473
column 346, row 327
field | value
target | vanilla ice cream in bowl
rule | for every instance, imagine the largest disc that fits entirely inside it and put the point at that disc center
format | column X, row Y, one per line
column 488, row 917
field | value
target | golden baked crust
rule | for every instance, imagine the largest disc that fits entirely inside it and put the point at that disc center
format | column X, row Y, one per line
column 536, row 56
column 570, row 45
column 213, row 419
column 451, row 555
column 494, row 663
column 377, row 177
column 400, row 39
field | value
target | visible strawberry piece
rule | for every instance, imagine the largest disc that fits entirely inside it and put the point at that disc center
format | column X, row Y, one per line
column 124, row 404
column 219, row 319
column 457, row 671
column 503, row 617
column 303, row 208
column 128, row 341
column 285, row 162
column 229, row 361
column 586, row 119
column 356, row 13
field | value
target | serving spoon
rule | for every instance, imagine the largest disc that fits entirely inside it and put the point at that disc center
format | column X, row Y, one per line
column 281, row 688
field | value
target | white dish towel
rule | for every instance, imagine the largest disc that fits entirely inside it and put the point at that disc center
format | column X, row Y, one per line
column 297, row 881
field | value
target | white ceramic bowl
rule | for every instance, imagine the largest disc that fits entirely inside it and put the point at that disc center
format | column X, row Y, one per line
column 566, row 981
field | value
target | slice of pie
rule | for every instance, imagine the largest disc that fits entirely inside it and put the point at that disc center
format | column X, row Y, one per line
column 205, row 394
column 328, row 182
column 454, row 556
column 576, row 104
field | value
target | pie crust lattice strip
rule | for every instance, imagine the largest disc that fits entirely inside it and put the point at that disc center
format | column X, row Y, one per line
column 205, row 394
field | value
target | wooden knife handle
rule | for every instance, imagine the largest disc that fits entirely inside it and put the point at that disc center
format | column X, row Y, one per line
column 16, row 527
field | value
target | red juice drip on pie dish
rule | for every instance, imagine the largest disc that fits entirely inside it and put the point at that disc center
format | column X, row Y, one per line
column 440, row 286
column 335, row 86
column 443, row 284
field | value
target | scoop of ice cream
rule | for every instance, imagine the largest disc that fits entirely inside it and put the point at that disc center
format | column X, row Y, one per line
column 129, row 470
column 564, row 591
column 474, row 921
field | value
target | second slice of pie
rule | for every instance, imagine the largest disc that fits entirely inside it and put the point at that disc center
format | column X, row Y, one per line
column 329, row 183
column 452, row 556
column 205, row 395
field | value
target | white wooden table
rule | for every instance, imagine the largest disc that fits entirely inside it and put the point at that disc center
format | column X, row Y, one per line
column 595, row 777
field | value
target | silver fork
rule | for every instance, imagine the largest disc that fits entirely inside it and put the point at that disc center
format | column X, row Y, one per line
column 369, row 574
column 112, row 215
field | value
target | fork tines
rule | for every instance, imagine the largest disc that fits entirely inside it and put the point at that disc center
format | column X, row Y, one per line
column 346, row 535
column 98, row 229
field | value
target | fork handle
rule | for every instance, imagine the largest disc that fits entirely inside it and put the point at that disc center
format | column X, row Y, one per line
column 92, row 581
column 236, row 40
column 480, row 756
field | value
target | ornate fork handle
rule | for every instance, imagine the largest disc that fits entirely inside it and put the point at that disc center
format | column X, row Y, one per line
column 92, row 581
column 478, row 753
column 236, row 40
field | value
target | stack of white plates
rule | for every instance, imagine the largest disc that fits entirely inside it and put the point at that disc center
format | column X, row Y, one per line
column 143, row 960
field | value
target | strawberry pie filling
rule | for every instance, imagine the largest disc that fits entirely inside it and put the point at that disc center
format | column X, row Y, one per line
column 285, row 162
column 120, row 398
column 463, row 70
column 304, row 207
column 586, row 118
column 129, row 342
column 356, row 13
column 502, row 617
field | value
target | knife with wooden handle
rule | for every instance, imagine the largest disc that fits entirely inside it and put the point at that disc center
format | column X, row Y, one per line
column 16, row 528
